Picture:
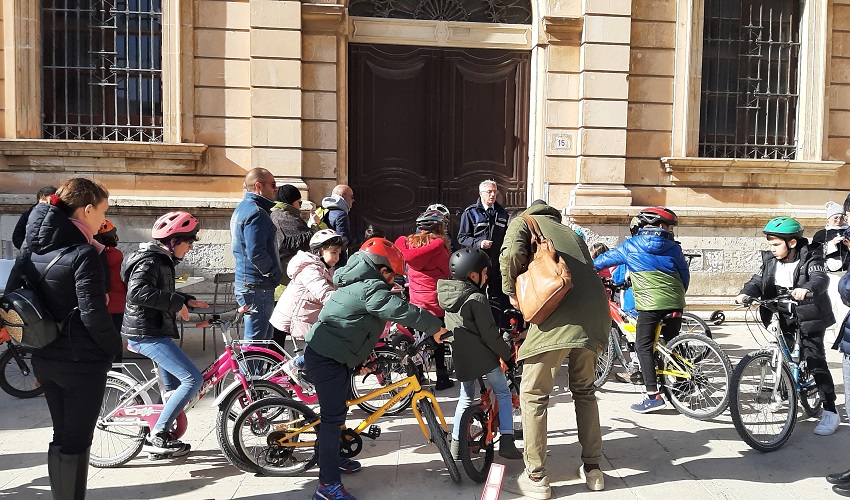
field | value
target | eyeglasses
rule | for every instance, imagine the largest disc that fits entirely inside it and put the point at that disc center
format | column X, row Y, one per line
column 490, row 191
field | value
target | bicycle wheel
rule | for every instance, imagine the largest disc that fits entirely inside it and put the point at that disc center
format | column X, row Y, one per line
column 262, row 363
column 114, row 444
column 763, row 417
column 16, row 375
column 605, row 361
column 259, row 429
column 705, row 393
column 439, row 437
column 811, row 398
column 476, row 454
column 391, row 371
column 691, row 323
column 229, row 410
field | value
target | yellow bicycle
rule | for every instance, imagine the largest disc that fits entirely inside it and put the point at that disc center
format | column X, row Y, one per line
column 279, row 435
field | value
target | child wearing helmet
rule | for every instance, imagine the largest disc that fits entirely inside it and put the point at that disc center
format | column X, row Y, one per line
column 348, row 328
column 660, row 278
column 150, row 321
column 791, row 266
column 426, row 253
column 116, row 289
column 477, row 342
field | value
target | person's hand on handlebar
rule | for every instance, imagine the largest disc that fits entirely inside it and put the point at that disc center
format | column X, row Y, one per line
column 438, row 337
column 197, row 303
column 799, row 293
column 743, row 299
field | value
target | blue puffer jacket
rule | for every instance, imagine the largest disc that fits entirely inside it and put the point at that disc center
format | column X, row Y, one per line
column 844, row 289
column 254, row 246
column 659, row 272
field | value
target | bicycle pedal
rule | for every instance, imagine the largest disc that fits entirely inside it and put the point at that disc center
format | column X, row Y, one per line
column 373, row 433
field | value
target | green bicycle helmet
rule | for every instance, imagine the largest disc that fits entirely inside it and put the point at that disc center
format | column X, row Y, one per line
column 786, row 228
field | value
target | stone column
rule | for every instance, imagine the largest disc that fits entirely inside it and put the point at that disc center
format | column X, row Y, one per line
column 22, row 69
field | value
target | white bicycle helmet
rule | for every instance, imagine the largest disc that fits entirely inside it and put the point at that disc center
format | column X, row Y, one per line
column 439, row 207
column 325, row 237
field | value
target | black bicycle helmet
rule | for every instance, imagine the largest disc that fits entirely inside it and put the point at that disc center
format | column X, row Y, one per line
column 468, row 260
column 430, row 220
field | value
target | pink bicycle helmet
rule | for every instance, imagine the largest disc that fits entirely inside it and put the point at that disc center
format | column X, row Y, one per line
column 175, row 225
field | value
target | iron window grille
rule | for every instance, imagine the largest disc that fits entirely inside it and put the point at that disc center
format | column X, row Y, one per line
column 750, row 85
column 476, row 11
column 102, row 70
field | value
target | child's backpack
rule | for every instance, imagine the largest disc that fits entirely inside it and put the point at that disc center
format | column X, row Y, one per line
column 22, row 314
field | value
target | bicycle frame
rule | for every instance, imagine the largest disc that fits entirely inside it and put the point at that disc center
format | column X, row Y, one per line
column 779, row 348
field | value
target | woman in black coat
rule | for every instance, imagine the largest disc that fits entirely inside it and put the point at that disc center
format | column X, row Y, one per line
column 72, row 370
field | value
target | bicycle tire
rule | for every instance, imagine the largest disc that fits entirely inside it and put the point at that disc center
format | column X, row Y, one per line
column 13, row 380
column 251, row 436
column 475, row 453
column 229, row 410
column 364, row 384
column 706, row 393
column 748, row 406
column 691, row 323
column 263, row 361
column 439, row 437
column 811, row 398
column 128, row 440
column 605, row 361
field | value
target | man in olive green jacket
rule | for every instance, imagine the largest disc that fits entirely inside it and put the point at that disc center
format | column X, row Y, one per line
column 577, row 330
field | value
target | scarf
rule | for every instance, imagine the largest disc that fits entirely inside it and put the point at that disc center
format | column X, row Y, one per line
column 88, row 234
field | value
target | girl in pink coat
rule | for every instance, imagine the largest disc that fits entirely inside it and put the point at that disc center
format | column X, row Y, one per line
column 427, row 256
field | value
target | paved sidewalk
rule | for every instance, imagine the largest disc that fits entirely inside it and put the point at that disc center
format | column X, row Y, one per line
column 645, row 456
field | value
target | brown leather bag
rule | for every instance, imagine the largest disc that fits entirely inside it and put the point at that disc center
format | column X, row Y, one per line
column 547, row 281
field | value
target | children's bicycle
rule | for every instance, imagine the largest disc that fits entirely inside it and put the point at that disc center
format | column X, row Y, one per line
column 128, row 411
column 279, row 435
column 767, row 383
column 16, row 375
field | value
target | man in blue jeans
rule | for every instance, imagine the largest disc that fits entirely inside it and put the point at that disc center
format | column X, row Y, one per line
column 258, row 269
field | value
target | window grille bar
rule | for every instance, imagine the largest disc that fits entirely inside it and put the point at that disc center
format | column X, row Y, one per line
column 102, row 70
column 750, row 77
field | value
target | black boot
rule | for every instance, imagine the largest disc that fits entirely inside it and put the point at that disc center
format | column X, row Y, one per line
column 53, row 468
column 507, row 448
column 839, row 477
column 74, row 470
column 842, row 489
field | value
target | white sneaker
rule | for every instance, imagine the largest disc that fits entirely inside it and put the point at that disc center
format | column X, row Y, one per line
column 828, row 423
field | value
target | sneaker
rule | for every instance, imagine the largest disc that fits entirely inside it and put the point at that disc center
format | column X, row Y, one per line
column 828, row 423
column 332, row 492
column 349, row 466
column 649, row 404
column 162, row 444
column 523, row 485
column 454, row 449
column 444, row 383
column 594, row 479
column 636, row 378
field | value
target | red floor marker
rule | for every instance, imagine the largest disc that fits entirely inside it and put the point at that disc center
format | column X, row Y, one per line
column 493, row 486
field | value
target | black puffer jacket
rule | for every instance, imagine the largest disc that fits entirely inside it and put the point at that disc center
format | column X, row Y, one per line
column 292, row 235
column 77, row 280
column 152, row 303
column 815, row 313
column 820, row 242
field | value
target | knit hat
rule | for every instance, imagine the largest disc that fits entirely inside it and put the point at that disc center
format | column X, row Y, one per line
column 833, row 208
column 288, row 194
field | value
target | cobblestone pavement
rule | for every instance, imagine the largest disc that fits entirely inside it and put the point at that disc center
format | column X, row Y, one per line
column 645, row 456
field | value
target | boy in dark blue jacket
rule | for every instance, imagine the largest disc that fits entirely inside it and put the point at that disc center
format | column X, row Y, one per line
column 660, row 277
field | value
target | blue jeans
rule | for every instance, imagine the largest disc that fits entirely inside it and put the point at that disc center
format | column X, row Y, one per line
column 331, row 379
column 469, row 393
column 173, row 361
column 257, row 326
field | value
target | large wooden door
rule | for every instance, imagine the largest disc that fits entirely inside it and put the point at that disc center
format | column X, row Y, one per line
column 427, row 125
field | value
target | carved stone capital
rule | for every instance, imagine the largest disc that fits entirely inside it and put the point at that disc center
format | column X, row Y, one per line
column 328, row 18
column 563, row 29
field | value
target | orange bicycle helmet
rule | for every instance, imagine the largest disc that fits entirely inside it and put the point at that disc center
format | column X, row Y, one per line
column 106, row 227
column 383, row 253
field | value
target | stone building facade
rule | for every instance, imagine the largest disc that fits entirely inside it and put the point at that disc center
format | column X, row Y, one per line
column 727, row 116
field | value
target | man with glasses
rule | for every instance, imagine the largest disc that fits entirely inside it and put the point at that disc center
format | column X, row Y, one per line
column 335, row 209
column 255, row 250
column 483, row 226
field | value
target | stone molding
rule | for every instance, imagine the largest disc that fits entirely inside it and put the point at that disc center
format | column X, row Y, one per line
column 440, row 33
column 746, row 171
column 100, row 156
column 695, row 217
column 325, row 18
column 562, row 29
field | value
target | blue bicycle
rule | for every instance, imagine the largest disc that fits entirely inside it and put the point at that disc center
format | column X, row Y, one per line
column 767, row 383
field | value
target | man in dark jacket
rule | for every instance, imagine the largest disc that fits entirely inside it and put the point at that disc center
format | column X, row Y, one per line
column 293, row 233
column 335, row 210
column 483, row 225
column 43, row 196
column 255, row 250
column 791, row 267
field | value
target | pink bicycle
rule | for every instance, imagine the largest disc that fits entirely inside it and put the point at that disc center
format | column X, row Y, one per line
column 128, row 411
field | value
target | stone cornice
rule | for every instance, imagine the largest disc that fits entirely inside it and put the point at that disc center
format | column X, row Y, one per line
column 697, row 217
column 323, row 18
column 676, row 165
column 563, row 29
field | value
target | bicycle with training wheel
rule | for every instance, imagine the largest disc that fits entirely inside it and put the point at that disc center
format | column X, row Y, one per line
column 279, row 436
column 16, row 375
column 128, row 412
column 768, row 382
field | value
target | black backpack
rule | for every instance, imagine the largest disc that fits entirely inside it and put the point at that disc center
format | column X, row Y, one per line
column 22, row 314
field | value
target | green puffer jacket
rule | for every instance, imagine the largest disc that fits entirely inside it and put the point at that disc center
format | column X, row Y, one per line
column 477, row 344
column 582, row 319
column 351, row 322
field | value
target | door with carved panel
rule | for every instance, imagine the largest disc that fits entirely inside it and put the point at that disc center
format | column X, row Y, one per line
column 427, row 125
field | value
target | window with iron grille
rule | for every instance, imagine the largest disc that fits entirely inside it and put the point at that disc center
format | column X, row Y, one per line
column 750, row 88
column 102, row 70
